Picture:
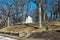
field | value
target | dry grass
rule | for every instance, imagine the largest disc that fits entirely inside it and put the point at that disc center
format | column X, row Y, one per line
column 17, row 29
column 30, row 27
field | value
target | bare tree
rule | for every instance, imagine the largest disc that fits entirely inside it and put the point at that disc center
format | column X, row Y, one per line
column 3, row 15
column 22, row 3
column 9, row 10
column 40, row 18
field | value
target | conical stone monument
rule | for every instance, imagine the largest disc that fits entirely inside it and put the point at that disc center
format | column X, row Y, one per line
column 29, row 20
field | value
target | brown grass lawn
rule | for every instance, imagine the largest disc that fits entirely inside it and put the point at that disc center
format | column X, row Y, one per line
column 31, row 27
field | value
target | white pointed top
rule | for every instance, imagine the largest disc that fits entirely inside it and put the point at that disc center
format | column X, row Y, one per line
column 29, row 20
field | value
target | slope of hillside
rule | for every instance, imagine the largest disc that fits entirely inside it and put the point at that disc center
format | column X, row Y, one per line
column 31, row 27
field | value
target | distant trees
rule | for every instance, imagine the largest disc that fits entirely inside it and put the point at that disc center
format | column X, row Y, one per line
column 9, row 14
column 16, row 12
column 7, row 11
column 43, row 6
column 3, row 15
column 52, row 9
column 55, row 10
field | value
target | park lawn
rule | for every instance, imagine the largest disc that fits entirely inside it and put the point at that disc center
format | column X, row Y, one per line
column 31, row 27
column 17, row 29
column 57, row 23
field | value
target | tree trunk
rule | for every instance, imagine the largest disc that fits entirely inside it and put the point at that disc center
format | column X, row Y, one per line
column 23, row 17
column 52, row 16
column 8, row 22
column 40, row 25
column 44, row 16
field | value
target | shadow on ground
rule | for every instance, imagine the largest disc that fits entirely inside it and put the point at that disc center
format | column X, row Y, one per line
column 49, row 35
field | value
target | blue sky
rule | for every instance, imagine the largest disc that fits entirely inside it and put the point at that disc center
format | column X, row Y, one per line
column 49, row 6
column 32, row 6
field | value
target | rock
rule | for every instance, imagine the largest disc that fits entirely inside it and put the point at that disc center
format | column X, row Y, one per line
column 21, row 34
